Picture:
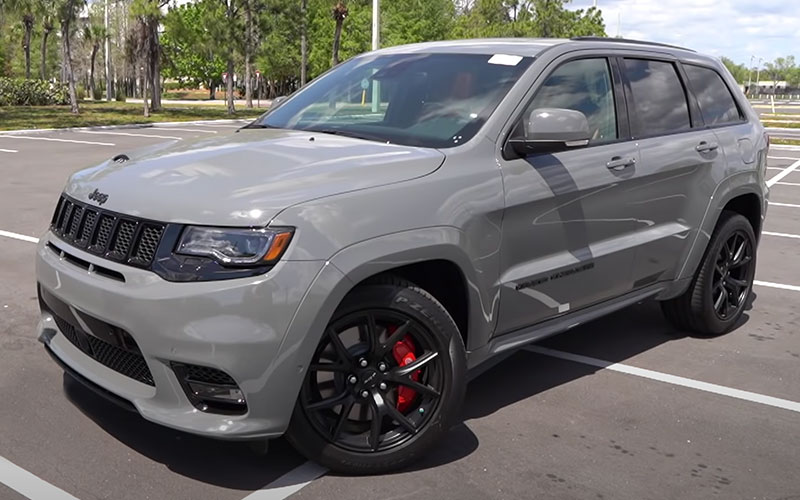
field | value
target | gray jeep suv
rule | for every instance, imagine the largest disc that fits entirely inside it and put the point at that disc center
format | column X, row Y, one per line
column 332, row 271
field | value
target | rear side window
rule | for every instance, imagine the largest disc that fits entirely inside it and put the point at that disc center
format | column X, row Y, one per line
column 714, row 97
column 658, row 98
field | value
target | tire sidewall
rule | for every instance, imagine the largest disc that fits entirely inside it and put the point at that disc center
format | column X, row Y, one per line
column 734, row 223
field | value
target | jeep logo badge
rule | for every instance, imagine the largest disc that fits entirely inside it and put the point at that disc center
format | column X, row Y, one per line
column 99, row 197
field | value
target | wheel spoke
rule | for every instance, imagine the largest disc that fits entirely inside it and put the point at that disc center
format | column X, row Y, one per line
column 719, row 301
column 402, row 371
column 417, row 386
column 329, row 367
column 378, row 411
column 401, row 419
column 328, row 402
column 719, row 269
column 339, row 347
column 745, row 260
column 394, row 338
column 739, row 253
column 343, row 416
column 738, row 283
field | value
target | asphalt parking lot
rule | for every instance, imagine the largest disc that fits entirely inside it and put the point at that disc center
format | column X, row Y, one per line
column 622, row 408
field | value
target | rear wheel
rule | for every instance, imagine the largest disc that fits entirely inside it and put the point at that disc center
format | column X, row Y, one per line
column 385, row 382
column 721, row 288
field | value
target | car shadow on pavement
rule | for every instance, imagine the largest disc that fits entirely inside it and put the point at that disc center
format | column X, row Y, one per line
column 522, row 375
column 228, row 464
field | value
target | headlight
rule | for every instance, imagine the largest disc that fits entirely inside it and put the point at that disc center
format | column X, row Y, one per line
column 235, row 247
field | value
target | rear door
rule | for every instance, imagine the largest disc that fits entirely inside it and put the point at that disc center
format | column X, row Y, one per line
column 678, row 155
column 565, row 227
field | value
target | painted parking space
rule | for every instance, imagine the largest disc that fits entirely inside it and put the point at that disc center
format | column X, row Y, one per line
column 533, row 426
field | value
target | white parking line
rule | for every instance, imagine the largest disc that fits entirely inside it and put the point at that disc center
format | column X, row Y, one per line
column 786, row 171
column 784, row 147
column 129, row 134
column 28, row 485
column 782, row 235
column 289, row 483
column 186, row 130
column 783, row 158
column 219, row 125
column 26, row 137
column 791, row 205
column 8, row 151
column 669, row 379
column 788, row 183
column 781, row 286
column 17, row 236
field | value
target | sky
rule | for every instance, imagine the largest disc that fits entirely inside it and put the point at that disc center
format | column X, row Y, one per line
column 737, row 29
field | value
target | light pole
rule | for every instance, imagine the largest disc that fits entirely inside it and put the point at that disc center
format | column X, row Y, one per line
column 758, row 76
column 750, row 74
column 108, row 55
column 376, row 43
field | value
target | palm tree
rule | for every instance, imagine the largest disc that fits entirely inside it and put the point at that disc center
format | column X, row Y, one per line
column 93, row 34
column 27, row 23
column 339, row 14
column 47, row 27
column 67, row 12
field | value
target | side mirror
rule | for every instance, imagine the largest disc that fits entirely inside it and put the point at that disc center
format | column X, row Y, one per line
column 552, row 129
column 278, row 100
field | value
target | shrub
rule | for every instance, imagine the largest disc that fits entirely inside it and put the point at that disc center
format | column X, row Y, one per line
column 21, row 92
column 80, row 92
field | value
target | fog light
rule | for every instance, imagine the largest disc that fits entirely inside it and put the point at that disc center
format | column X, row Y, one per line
column 220, row 393
column 210, row 390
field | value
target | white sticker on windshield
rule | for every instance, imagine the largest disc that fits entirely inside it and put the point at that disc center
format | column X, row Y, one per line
column 505, row 59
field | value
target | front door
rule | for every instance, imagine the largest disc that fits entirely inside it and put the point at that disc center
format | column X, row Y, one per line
column 566, row 229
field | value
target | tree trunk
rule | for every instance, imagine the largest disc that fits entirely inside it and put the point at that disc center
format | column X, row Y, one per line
column 229, row 84
column 155, row 66
column 248, row 55
column 211, row 88
column 45, row 34
column 337, row 35
column 67, row 50
column 27, row 22
column 95, row 48
column 304, row 43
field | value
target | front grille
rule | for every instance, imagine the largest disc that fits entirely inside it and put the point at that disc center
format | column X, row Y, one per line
column 120, row 360
column 124, row 239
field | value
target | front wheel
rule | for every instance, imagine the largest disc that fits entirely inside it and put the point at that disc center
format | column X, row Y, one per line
column 385, row 382
column 721, row 288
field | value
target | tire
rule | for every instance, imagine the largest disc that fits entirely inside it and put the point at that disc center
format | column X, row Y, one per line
column 387, row 311
column 698, row 309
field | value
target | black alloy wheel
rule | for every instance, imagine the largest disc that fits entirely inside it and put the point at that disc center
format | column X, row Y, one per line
column 385, row 382
column 731, row 282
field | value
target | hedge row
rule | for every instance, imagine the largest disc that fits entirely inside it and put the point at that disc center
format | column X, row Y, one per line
column 21, row 92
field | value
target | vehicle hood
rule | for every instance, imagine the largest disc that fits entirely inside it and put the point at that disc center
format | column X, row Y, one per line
column 247, row 178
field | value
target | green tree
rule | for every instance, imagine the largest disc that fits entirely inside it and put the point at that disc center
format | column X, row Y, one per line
column 67, row 13
column 192, row 52
column 739, row 71
column 411, row 21
column 339, row 13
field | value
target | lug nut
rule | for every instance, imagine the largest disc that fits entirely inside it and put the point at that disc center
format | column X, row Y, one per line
column 363, row 363
column 365, row 394
column 352, row 379
column 382, row 366
column 382, row 386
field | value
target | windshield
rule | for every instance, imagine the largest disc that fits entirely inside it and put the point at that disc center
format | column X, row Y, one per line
column 429, row 100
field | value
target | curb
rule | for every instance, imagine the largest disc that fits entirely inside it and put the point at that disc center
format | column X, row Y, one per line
column 120, row 127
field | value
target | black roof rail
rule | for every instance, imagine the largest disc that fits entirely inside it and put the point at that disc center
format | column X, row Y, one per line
column 626, row 40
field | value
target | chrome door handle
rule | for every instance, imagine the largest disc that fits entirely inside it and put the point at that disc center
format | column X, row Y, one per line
column 705, row 147
column 618, row 163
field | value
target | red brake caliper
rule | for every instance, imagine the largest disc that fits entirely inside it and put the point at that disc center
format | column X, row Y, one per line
column 403, row 352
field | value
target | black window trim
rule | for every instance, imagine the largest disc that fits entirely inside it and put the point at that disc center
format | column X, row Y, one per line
column 620, row 105
column 742, row 115
column 694, row 112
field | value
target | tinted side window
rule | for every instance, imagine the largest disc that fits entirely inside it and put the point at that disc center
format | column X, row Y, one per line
column 714, row 97
column 659, row 100
column 582, row 85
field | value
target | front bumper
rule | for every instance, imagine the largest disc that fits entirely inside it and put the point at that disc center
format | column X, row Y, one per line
column 239, row 326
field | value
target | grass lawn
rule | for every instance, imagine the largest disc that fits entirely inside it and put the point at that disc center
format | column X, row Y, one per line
column 790, row 142
column 109, row 113
column 768, row 123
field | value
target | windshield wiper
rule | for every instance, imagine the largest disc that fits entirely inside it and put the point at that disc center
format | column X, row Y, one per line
column 347, row 133
column 258, row 125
